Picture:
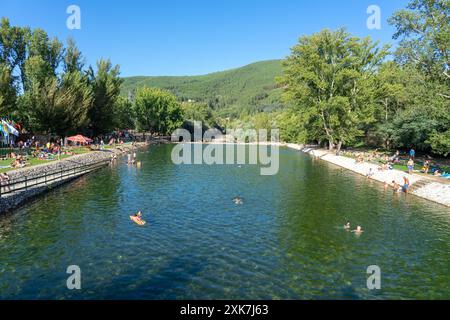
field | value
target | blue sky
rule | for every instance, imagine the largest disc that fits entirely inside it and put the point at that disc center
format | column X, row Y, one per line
column 176, row 37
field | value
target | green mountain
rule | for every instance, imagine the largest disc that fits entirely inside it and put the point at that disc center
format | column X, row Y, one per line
column 247, row 89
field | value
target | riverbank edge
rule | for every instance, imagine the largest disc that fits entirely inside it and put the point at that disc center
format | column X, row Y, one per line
column 420, row 186
column 10, row 203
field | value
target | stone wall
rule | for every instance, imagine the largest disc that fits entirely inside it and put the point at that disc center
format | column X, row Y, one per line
column 91, row 161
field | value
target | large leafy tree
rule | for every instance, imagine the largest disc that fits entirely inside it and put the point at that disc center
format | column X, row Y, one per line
column 106, row 87
column 329, row 78
column 13, row 49
column 157, row 111
column 7, row 90
column 424, row 30
column 123, row 114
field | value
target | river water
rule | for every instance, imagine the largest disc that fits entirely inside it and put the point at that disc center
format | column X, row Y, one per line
column 285, row 242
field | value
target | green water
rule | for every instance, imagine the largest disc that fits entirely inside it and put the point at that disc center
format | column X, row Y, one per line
column 284, row 242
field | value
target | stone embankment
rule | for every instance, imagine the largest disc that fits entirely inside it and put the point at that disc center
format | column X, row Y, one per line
column 430, row 188
column 30, row 182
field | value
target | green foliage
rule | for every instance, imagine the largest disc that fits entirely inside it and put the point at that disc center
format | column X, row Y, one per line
column 157, row 111
column 440, row 142
column 7, row 90
column 424, row 28
column 44, row 85
column 123, row 114
column 106, row 87
column 289, row 122
column 199, row 112
column 231, row 93
column 329, row 76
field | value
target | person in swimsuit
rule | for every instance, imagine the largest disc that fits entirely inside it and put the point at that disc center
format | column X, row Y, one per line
column 405, row 185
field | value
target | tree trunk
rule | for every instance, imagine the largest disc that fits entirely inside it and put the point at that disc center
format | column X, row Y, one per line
column 330, row 144
column 339, row 146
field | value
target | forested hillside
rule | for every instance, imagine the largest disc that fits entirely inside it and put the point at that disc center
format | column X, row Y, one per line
column 230, row 93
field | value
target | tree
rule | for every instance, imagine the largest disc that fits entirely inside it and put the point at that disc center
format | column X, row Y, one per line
column 329, row 77
column 290, row 131
column 106, row 87
column 7, row 90
column 199, row 112
column 123, row 114
column 13, row 49
column 157, row 111
column 424, row 28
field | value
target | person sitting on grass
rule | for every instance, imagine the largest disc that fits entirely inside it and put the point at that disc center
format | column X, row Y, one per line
column 426, row 167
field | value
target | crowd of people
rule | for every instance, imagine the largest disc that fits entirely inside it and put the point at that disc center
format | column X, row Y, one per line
column 387, row 162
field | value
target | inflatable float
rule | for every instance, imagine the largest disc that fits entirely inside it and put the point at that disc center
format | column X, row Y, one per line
column 137, row 221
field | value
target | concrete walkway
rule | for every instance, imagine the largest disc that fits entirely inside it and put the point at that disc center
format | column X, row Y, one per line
column 425, row 187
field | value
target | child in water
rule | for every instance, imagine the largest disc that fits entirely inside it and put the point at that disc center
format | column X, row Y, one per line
column 347, row 226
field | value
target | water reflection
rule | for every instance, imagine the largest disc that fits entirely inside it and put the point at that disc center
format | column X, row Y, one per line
column 285, row 241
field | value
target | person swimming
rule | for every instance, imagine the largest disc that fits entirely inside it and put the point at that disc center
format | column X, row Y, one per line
column 347, row 226
column 358, row 230
column 238, row 200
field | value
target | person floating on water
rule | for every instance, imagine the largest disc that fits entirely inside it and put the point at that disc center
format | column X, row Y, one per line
column 138, row 216
column 347, row 226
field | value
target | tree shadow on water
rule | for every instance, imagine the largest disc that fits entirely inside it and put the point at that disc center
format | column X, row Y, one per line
column 168, row 283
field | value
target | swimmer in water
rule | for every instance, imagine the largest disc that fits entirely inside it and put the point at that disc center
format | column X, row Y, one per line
column 237, row 200
column 358, row 230
column 347, row 226
column 395, row 186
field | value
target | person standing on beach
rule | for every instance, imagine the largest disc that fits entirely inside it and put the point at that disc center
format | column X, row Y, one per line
column 412, row 153
column 410, row 166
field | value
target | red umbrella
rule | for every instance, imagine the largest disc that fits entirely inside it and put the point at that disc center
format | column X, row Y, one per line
column 79, row 138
